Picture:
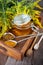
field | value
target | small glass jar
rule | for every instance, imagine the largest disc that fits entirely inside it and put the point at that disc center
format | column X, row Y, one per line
column 21, row 24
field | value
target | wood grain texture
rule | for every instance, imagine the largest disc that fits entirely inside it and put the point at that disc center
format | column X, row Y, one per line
column 27, row 44
column 3, row 59
column 10, row 51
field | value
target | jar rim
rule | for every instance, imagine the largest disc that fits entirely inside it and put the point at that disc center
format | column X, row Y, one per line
column 21, row 20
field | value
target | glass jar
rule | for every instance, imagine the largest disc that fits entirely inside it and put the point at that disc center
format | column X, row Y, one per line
column 21, row 24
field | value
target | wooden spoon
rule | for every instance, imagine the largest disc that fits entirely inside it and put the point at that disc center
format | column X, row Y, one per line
column 29, row 51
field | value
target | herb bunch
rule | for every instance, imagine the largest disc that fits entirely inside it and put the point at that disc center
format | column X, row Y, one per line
column 4, row 20
column 27, row 7
column 23, row 7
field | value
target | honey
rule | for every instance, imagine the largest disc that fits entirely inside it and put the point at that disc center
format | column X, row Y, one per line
column 10, row 43
column 8, row 36
column 18, row 32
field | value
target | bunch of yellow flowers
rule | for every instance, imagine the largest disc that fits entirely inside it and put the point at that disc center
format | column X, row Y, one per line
column 23, row 7
column 26, row 7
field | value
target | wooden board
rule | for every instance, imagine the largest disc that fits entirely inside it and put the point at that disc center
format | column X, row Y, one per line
column 18, row 51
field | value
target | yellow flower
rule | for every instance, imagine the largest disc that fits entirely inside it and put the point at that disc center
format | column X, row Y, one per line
column 36, row 21
column 38, row 6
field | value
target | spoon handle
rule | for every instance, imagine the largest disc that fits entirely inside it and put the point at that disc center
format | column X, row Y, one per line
column 37, row 44
column 40, row 39
column 30, row 37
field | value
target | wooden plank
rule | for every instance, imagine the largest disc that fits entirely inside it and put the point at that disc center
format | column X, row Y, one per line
column 3, row 59
column 27, row 44
column 10, row 51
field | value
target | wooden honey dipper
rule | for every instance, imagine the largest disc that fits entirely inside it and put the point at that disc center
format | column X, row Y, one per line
column 30, row 51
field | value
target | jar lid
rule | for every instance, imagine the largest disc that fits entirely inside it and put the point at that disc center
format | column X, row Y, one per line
column 21, row 19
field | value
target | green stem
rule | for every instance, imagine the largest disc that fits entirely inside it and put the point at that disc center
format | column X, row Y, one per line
column 3, row 9
column 4, row 26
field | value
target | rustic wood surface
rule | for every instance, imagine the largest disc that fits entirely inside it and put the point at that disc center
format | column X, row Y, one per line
column 38, row 58
column 3, row 59
column 18, row 51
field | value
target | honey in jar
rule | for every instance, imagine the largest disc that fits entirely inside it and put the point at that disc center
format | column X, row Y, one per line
column 21, row 24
